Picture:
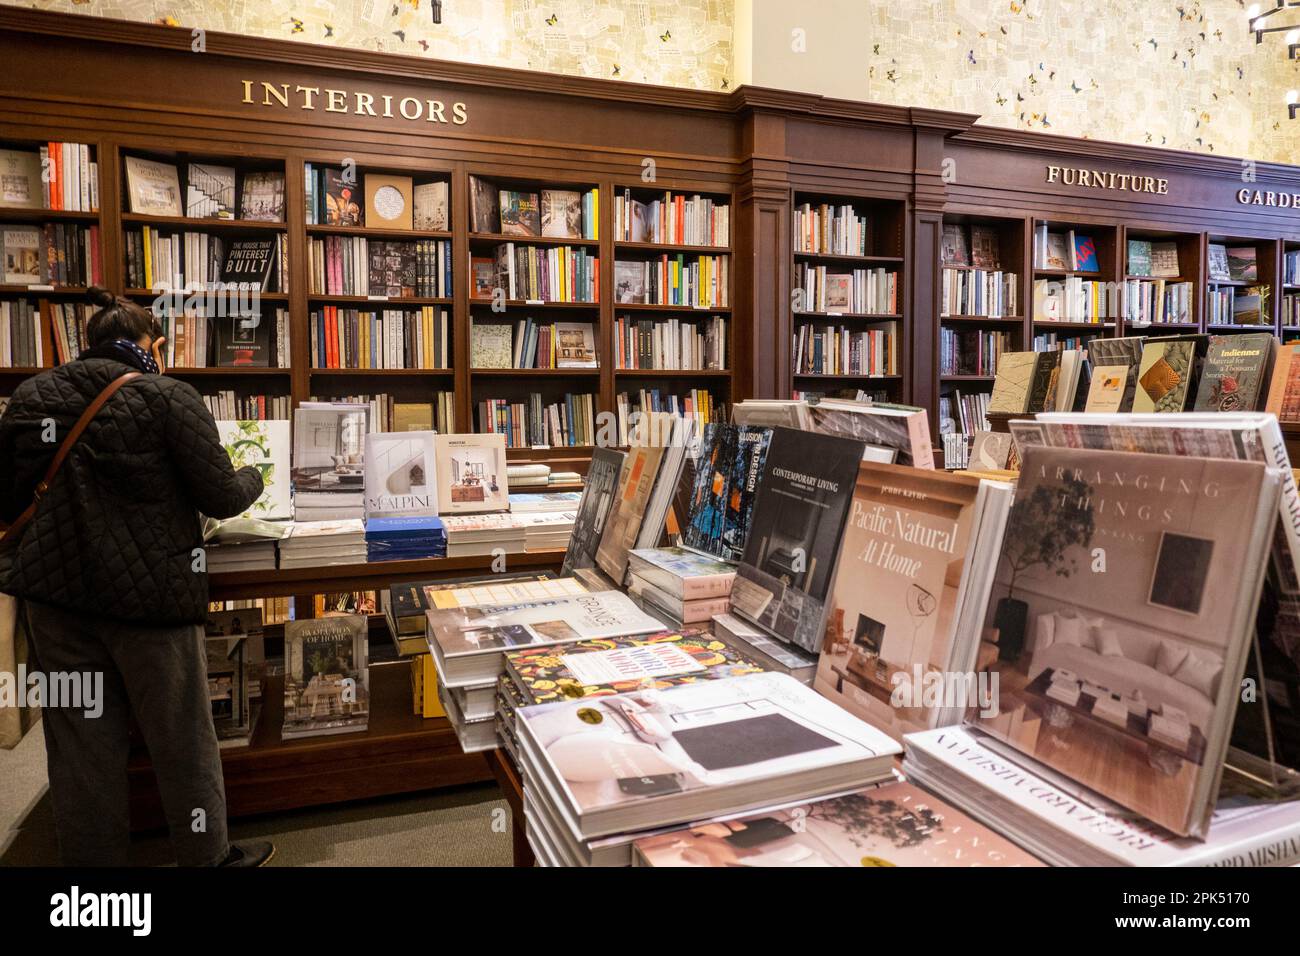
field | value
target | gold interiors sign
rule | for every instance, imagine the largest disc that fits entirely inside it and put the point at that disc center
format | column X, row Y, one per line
column 353, row 102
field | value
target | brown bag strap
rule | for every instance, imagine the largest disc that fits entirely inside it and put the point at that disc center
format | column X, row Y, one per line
column 65, row 449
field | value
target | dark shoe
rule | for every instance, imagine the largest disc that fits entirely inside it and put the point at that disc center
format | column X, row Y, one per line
column 254, row 854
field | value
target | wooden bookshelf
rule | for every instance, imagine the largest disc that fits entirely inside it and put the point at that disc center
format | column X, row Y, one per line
column 1268, row 255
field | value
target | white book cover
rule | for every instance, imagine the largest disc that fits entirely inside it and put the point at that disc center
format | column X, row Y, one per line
column 22, row 252
column 431, row 207
column 401, row 475
column 153, row 189
column 20, row 179
column 329, row 447
column 265, row 446
column 472, row 473
column 646, row 749
column 1242, row 832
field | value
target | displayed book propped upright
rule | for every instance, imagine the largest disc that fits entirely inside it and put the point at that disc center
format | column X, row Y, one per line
column 727, row 474
column 598, row 494
column 329, row 469
column 326, row 676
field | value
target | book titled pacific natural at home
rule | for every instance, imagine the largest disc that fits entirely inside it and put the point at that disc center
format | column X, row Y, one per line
column 1127, row 680
column 1235, row 376
column 785, row 574
column 598, row 493
column 401, row 474
column 471, row 473
column 727, row 474
column 1164, row 375
column 899, row 588
column 263, row 445
column 647, row 759
column 326, row 676
column 894, row 824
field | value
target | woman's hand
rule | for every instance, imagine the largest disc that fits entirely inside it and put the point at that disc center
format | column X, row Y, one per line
column 157, row 350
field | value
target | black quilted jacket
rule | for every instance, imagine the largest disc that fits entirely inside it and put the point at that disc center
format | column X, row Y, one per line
column 115, row 535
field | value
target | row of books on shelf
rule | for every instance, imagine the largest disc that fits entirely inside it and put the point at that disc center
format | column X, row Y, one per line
column 701, row 282
column 538, row 273
column 154, row 189
column 971, row 245
column 979, row 292
column 1158, row 302
column 963, row 413
column 61, row 254
column 865, row 291
column 1043, row 341
column 1291, row 267
column 697, row 405
column 1229, row 305
column 356, row 265
column 1074, row 299
column 971, row 351
column 225, row 405
column 532, row 344
column 826, row 229
column 671, row 343
column 57, row 176
column 569, row 423
column 197, row 261
column 21, row 342
column 557, row 213
column 335, row 198
column 387, row 413
column 832, row 350
column 672, row 219
column 1067, row 251
column 344, row 338
column 1290, row 310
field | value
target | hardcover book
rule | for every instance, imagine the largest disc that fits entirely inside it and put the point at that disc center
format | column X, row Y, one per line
column 1087, row 660
column 326, row 676
column 985, row 248
column 22, row 251
column 1085, row 254
column 647, row 759
column 1104, row 351
column 484, row 207
column 329, row 448
column 1284, row 387
column 153, row 189
column 894, row 824
column 880, row 425
column 1164, row 376
column 1058, row 251
column 575, row 345
column 243, row 342
column 900, row 583
column 389, row 202
column 392, row 269
column 1235, row 376
column 431, row 207
column 1242, row 265
column 990, row 451
column 520, row 213
column 636, row 482
column 727, row 474
column 785, row 574
column 20, row 179
column 401, row 474
column 562, row 213
column 1139, row 257
column 1108, row 388
column 262, row 197
column 1047, row 366
column 683, row 574
column 472, row 473
column 265, row 446
column 1012, row 382
column 598, row 493
column 209, row 191
column 629, row 281
column 1164, row 260
column 954, row 246
column 341, row 206
column 1218, row 263
column 251, row 263
column 491, row 345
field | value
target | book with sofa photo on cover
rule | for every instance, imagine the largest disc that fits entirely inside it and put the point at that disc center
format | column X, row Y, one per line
column 326, row 676
column 1123, row 606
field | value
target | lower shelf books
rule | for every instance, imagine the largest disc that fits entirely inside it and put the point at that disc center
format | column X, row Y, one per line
column 229, row 406
column 569, row 423
column 1073, row 299
column 862, row 291
column 326, row 677
column 670, row 343
column 698, row 281
column 839, row 350
column 1156, row 302
column 978, row 292
column 893, row 824
column 381, row 339
column 59, row 254
column 389, row 414
column 21, row 343
column 699, row 405
column 355, row 265
column 971, row 351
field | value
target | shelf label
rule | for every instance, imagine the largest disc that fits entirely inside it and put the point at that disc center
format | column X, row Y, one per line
column 40, row 288
column 835, row 315
column 541, row 447
column 534, row 302
column 377, row 298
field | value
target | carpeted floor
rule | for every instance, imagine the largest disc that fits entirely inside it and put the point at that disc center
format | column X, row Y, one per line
column 460, row 827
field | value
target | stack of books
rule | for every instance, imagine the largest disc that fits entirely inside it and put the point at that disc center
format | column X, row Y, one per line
column 310, row 544
column 526, row 503
column 681, row 586
column 774, row 655
column 475, row 534
column 242, row 544
column 546, row 530
column 528, row 475
column 409, row 538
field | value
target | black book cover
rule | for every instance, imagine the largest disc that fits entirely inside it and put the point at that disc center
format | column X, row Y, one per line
column 250, row 262
column 243, row 341
column 1041, row 386
column 788, row 565
column 484, row 208
column 727, row 475
column 392, row 269
column 597, row 496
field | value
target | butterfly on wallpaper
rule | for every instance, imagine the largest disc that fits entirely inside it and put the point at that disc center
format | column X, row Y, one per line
column 1076, row 87
column 396, row 10
column 1218, row 34
column 1240, row 73
column 424, row 45
column 666, row 36
column 1148, row 137
column 1052, row 75
column 297, row 25
column 1154, row 44
column 171, row 22
column 1004, row 30
column 1182, row 13
column 1015, row 7
column 875, row 49
column 552, row 20
column 1019, row 98
column 329, row 29
column 970, row 56
column 983, row 35
column 400, row 34
column 726, row 83
column 1045, row 122
column 1001, row 100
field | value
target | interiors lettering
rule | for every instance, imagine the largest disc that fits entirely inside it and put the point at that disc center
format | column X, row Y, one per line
column 354, row 102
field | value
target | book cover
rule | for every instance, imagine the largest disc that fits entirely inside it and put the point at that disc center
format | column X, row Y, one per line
column 483, row 273
column 431, row 207
column 341, row 206
column 880, row 425
column 389, row 201
column 1250, row 306
column 264, row 445
column 393, row 269
column 484, row 207
column 1122, row 351
column 228, row 685
column 1164, row 260
column 785, row 575
column 153, row 189
column 1012, row 382
column 681, row 573
column 895, row 824
column 1139, row 257
column 598, row 494
column 1087, row 659
column 209, row 191
column 1284, row 387
column 329, row 448
column 1058, row 251
column 472, row 473
column 1242, row 266
column 562, row 213
column 1235, row 375
column 326, row 676
column 1085, row 254
column 1047, row 366
column 401, row 474
column 1108, row 387
column 636, row 482
column 1218, row 262
column 243, row 342
column 20, row 179
column 894, row 604
column 614, row 665
column 575, row 345
column 262, row 197
column 629, row 281
column 251, row 263
column 954, row 249
column 1164, row 376
column 985, row 248
column 22, row 251
column 990, row 451
column 727, row 474
column 491, row 345
column 520, row 213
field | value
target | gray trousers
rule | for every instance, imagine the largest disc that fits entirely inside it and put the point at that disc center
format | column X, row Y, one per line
column 159, row 674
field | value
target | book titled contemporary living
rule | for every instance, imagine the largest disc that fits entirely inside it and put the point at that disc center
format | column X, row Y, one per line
column 727, row 474
column 471, row 473
column 265, row 446
column 893, row 615
column 1124, row 602
column 401, row 474
column 326, row 676
column 785, row 574
column 598, row 493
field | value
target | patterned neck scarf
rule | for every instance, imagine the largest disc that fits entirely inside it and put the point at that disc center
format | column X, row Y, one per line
column 126, row 352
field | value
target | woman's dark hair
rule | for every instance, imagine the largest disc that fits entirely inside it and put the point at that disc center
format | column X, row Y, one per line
column 118, row 318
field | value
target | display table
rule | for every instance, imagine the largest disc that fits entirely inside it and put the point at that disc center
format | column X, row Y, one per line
column 398, row 753
column 512, row 788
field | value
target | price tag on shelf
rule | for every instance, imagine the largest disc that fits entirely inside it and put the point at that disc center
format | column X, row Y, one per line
column 834, row 315
column 541, row 447
column 377, row 298
column 40, row 288
column 534, row 302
